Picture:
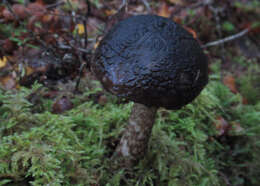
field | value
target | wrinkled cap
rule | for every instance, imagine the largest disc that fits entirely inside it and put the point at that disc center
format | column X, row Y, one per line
column 151, row 60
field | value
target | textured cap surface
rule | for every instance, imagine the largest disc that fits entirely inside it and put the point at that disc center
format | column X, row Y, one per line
column 151, row 60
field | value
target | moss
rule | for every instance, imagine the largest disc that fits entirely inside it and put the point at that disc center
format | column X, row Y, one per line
column 74, row 148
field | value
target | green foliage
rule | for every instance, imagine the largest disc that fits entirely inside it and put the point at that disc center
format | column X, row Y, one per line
column 228, row 26
column 74, row 148
column 249, row 84
column 248, row 7
column 6, row 29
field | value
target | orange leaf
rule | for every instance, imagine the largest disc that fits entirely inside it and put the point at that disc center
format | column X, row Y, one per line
column 191, row 31
column 29, row 70
column 47, row 18
column 177, row 19
column 8, row 82
column 230, row 82
column 164, row 10
column 110, row 12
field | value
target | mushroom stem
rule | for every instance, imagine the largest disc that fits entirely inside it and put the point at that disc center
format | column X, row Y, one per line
column 134, row 141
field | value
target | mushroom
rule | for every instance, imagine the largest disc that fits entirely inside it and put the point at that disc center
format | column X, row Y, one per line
column 154, row 62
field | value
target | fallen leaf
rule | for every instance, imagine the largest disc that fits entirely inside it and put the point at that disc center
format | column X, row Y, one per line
column 230, row 82
column 61, row 105
column 177, row 2
column 102, row 100
column 47, row 18
column 3, row 61
column 20, row 11
column 8, row 16
column 29, row 70
column 110, row 12
column 164, row 10
column 177, row 20
column 8, row 46
column 51, row 94
column 1, row 10
column 191, row 31
column 222, row 126
column 41, row 2
column 80, row 29
column 244, row 101
column 8, row 82
column 36, row 9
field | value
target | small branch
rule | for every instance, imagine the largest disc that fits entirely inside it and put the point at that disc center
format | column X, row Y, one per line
column 226, row 39
column 192, row 6
column 85, row 21
column 66, row 47
column 82, row 66
column 55, row 5
column 123, row 5
column 11, row 10
column 147, row 6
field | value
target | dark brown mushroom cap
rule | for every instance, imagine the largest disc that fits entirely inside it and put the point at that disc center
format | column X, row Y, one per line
column 151, row 60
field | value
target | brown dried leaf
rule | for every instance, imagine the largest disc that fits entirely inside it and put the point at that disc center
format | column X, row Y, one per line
column 8, row 46
column 8, row 82
column 29, row 71
column 164, row 10
column 2, row 8
column 222, row 126
column 244, row 101
column 102, row 100
column 20, row 10
column 36, row 9
column 61, row 105
column 8, row 16
column 177, row 2
column 51, row 94
column 230, row 82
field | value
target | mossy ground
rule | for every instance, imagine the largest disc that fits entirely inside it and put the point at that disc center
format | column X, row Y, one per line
column 74, row 148
column 213, row 141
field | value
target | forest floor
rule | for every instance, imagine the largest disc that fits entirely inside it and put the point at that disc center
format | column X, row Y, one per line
column 59, row 127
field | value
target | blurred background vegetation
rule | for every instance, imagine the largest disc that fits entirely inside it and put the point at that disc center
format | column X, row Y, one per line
column 59, row 127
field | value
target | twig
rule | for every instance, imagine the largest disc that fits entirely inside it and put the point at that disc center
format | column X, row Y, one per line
column 123, row 5
column 66, row 47
column 11, row 10
column 226, row 39
column 55, row 5
column 82, row 66
column 147, row 6
column 192, row 6
column 85, row 21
